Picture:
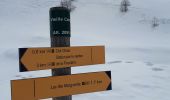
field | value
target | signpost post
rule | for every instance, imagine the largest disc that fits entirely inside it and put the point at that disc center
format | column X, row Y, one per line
column 60, row 37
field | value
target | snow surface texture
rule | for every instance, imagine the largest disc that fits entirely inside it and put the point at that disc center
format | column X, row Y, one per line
column 137, row 54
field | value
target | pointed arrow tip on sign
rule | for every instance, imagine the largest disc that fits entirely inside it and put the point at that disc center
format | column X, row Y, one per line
column 22, row 51
column 22, row 68
column 109, row 75
column 110, row 86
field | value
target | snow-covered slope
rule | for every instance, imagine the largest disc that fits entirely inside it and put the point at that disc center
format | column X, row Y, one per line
column 137, row 54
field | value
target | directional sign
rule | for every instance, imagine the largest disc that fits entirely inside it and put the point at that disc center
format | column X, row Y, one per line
column 49, row 58
column 41, row 88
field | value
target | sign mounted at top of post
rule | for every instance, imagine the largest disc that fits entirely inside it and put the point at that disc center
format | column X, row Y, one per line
column 60, row 57
column 59, row 22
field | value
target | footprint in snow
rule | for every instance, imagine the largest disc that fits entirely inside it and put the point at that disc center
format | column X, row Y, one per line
column 18, row 76
column 128, row 62
column 149, row 63
column 11, row 54
column 114, row 62
column 147, row 86
column 157, row 69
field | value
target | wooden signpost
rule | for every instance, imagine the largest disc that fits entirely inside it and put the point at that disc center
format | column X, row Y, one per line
column 60, row 58
column 60, row 33
column 49, row 58
column 56, row 86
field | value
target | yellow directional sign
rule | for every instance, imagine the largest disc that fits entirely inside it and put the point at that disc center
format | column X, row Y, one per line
column 31, row 59
column 41, row 88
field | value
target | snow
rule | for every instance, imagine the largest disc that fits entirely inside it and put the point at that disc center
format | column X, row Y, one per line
column 137, row 54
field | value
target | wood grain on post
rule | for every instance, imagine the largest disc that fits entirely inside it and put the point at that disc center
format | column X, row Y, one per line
column 59, row 23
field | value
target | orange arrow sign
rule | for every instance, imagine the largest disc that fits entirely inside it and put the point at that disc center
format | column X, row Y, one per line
column 41, row 88
column 49, row 58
